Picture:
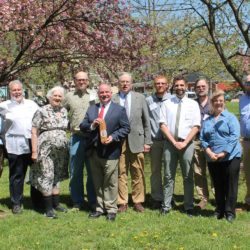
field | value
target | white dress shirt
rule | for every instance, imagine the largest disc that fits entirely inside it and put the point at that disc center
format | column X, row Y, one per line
column 189, row 116
column 18, row 135
column 122, row 101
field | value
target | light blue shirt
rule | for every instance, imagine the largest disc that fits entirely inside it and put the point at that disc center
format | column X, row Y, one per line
column 221, row 135
column 1, row 142
column 245, row 116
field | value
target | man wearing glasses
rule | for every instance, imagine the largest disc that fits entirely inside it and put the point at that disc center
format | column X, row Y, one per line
column 155, row 102
column 77, row 103
column 245, row 133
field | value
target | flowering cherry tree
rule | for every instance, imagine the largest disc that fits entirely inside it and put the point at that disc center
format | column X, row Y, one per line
column 35, row 32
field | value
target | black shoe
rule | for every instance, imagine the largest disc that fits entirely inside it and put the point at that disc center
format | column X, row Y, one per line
column 16, row 209
column 164, row 211
column 95, row 215
column 230, row 218
column 50, row 214
column 190, row 212
column 156, row 204
column 218, row 215
column 111, row 216
column 61, row 209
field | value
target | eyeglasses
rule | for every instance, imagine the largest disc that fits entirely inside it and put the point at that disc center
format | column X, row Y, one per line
column 199, row 87
column 82, row 80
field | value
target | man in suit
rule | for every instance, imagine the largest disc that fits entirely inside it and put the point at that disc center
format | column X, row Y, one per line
column 105, row 156
column 137, row 142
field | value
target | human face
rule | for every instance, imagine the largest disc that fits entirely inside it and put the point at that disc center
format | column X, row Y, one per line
column 218, row 104
column 81, row 81
column 161, row 86
column 201, row 88
column 56, row 98
column 247, row 86
column 180, row 88
column 125, row 83
column 104, row 93
column 16, row 92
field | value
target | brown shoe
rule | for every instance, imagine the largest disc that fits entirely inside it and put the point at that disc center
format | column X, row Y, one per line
column 138, row 207
column 202, row 204
column 123, row 208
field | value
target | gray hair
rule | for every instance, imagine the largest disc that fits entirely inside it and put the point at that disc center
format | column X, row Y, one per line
column 15, row 82
column 125, row 73
column 56, row 88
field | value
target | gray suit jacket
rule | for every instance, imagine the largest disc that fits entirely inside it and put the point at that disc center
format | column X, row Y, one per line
column 139, row 121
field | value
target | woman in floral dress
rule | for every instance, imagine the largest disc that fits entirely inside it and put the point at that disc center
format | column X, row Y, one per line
column 50, row 150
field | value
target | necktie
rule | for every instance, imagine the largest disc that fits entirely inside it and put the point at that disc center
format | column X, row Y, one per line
column 177, row 121
column 126, row 105
column 101, row 114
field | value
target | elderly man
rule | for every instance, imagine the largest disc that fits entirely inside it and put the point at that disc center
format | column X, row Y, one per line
column 20, row 111
column 155, row 101
column 245, row 133
column 77, row 103
column 105, row 155
column 137, row 142
column 180, row 122
column 200, row 164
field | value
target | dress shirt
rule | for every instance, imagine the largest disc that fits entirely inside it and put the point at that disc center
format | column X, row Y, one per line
column 204, row 110
column 18, row 135
column 189, row 116
column 222, row 135
column 105, row 109
column 122, row 100
column 154, row 107
column 245, row 116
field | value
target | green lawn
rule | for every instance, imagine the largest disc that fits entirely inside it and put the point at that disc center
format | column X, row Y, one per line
column 31, row 230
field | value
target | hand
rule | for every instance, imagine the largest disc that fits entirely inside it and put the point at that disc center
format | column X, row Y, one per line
column 96, row 123
column 213, row 156
column 180, row 145
column 34, row 156
column 146, row 148
column 109, row 140
column 221, row 155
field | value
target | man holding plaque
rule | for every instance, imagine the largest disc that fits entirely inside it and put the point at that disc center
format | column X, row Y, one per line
column 108, row 125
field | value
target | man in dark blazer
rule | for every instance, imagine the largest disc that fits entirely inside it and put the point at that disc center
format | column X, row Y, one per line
column 133, row 148
column 104, row 156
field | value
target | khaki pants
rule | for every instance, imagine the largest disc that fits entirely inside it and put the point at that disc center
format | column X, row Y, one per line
column 200, row 175
column 135, row 163
column 105, row 178
column 246, row 163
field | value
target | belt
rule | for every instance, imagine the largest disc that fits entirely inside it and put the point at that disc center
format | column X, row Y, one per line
column 246, row 139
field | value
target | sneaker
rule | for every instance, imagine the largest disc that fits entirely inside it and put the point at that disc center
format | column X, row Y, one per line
column 50, row 214
column 16, row 209
column 138, row 207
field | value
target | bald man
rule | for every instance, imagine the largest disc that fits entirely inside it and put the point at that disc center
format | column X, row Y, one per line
column 77, row 103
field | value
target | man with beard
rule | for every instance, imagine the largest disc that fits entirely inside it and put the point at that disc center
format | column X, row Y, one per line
column 155, row 101
column 245, row 133
column 179, row 122
column 106, row 152
column 200, row 164
column 20, row 111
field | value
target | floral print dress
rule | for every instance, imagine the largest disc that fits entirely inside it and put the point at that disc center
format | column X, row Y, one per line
column 51, row 166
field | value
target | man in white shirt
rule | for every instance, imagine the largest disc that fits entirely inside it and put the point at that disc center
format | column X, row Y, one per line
column 179, row 122
column 20, row 111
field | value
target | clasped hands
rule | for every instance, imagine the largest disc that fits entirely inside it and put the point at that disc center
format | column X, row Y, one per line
column 215, row 156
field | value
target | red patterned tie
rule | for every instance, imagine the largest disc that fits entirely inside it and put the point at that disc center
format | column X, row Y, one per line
column 101, row 114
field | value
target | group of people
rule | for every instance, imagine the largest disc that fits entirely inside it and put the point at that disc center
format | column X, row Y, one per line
column 110, row 137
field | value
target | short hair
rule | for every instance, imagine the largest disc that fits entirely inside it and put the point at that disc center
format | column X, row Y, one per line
column 160, row 77
column 125, row 73
column 179, row 78
column 214, row 96
column 14, row 82
column 200, row 79
column 56, row 88
column 104, row 83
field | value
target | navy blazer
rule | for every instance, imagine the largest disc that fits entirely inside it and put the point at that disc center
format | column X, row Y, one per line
column 117, row 126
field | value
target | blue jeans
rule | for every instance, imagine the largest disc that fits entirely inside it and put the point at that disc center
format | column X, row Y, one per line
column 77, row 162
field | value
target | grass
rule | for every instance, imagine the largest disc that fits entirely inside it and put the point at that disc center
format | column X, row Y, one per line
column 73, row 230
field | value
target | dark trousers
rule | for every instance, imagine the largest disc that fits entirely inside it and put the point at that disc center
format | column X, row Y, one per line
column 18, row 166
column 225, row 176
